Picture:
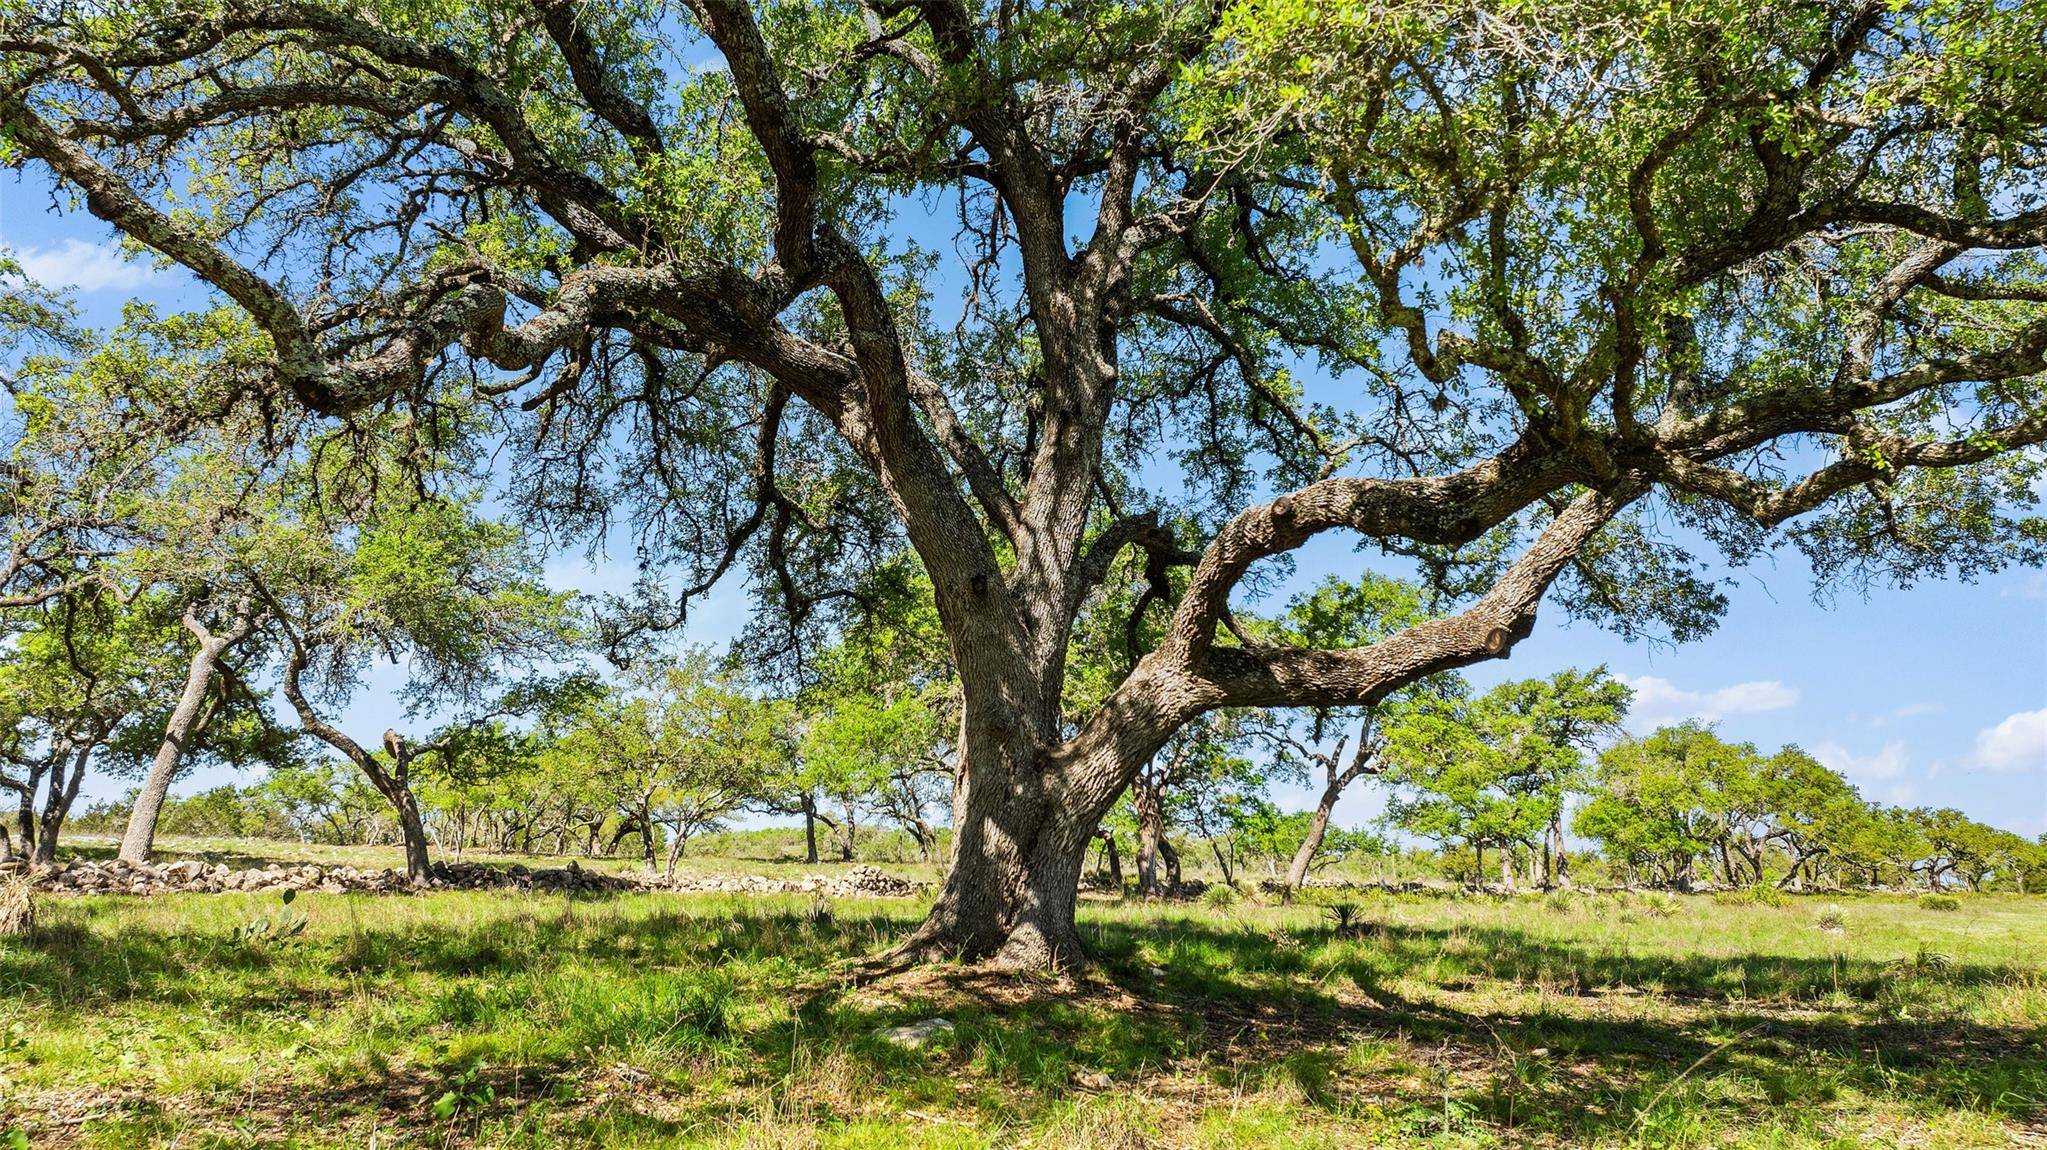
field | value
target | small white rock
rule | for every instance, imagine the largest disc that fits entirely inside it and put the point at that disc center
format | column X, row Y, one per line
column 916, row 1035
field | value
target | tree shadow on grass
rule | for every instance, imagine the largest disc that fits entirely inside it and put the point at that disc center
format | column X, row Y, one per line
column 1544, row 1038
column 1257, row 1011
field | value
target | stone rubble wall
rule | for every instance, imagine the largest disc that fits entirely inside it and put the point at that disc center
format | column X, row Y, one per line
column 86, row 876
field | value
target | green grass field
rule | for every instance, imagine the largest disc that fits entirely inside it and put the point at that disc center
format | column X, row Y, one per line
column 500, row 1020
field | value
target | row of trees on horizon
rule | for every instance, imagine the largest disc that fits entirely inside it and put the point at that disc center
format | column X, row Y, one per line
column 652, row 761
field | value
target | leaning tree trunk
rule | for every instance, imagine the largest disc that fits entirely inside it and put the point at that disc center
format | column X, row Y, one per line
column 412, row 834
column 187, row 718
column 140, row 836
column 395, row 784
column 1311, row 845
column 676, row 845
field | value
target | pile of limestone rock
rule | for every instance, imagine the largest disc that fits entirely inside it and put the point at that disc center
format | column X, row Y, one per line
column 854, row 882
column 88, row 876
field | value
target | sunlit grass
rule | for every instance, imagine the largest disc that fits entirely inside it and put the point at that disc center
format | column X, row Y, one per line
column 505, row 1020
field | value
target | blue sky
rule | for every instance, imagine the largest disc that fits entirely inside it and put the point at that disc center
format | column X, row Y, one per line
column 1936, row 695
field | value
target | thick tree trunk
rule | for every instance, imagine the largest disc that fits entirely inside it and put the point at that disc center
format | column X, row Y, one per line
column 1028, row 795
column 1018, row 850
column 1794, row 878
column 1311, row 845
column 809, row 828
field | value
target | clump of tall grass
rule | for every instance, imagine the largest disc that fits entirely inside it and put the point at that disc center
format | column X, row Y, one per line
column 1659, row 904
column 1940, row 902
column 1221, row 896
column 1924, row 963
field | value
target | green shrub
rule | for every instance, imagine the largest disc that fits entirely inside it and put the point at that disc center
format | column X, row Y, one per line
column 1659, row 904
column 1221, row 896
column 1924, row 963
column 1940, row 902
column 1347, row 919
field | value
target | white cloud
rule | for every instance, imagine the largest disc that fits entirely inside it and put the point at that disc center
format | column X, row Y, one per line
column 1908, row 711
column 1888, row 763
column 2019, row 743
column 1659, row 701
column 86, row 267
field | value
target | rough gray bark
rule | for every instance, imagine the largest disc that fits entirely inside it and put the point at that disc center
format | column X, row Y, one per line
column 186, row 719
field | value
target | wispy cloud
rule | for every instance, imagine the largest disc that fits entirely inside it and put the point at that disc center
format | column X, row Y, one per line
column 1888, row 763
column 1908, row 711
column 2019, row 743
column 2032, row 585
column 84, row 266
column 1658, row 700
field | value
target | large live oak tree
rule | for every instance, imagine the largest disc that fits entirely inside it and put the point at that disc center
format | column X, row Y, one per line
column 1584, row 284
